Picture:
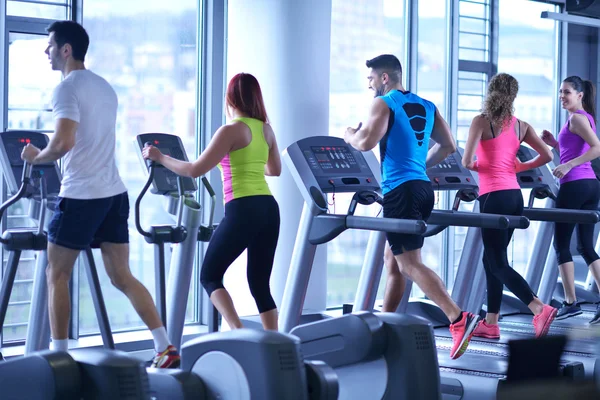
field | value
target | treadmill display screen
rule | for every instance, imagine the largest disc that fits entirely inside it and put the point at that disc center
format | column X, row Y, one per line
column 448, row 165
column 333, row 159
column 14, row 147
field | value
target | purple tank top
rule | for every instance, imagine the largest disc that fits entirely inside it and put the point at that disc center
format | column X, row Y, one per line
column 572, row 146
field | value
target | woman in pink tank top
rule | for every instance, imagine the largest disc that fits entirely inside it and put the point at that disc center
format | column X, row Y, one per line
column 495, row 137
column 579, row 189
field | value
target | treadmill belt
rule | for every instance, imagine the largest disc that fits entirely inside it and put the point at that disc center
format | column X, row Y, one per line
column 472, row 362
column 578, row 322
column 579, row 348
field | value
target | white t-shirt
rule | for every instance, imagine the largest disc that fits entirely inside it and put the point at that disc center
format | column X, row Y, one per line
column 90, row 169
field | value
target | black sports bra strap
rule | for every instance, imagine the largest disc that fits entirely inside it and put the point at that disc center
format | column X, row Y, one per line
column 519, row 130
column 492, row 128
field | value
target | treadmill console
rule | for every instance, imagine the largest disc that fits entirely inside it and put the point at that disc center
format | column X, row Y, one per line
column 165, row 181
column 337, row 166
column 451, row 175
column 11, row 146
column 534, row 177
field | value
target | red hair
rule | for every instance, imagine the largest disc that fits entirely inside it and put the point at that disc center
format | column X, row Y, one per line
column 244, row 95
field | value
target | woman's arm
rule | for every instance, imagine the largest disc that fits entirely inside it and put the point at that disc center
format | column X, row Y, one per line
column 273, row 166
column 544, row 153
column 475, row 132
column 580, row 126
column 219, row 146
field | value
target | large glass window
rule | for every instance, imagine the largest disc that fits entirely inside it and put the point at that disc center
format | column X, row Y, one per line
column 360, row 30
column 431, row 85
column 432, row 52
column 147, row 50
column 47, row 9
column 533, row 62
column 30, row 85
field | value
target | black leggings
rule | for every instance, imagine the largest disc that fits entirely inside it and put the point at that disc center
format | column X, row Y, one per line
column 582, row 194
column 495, row 243
column 250, row 223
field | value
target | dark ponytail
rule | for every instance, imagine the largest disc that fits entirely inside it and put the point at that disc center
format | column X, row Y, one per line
column 589, row 93
column 589, row 98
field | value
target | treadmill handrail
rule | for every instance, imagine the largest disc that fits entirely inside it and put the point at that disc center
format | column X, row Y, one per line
column 562, row 215
column 410, row 226
column 461, row 218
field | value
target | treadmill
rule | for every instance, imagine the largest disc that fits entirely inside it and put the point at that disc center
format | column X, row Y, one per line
column 482, row 365
column 316, row 165
column 515, row 322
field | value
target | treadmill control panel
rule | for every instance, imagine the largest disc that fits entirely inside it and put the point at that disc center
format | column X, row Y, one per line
column 451, row 175
column 336, row 165
column 165, row 181
column 11, row 146
column 534, row 177
column 332, row 159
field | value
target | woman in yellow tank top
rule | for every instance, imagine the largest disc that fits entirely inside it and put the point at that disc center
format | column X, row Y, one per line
column 245, row 150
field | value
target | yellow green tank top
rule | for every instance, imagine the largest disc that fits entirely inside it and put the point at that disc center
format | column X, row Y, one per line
column 243, row 170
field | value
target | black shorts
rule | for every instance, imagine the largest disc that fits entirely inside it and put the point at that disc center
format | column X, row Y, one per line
column 410, row 200
column 77, row 224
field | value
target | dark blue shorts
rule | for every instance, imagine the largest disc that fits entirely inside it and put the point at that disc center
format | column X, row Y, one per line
column 77, row 224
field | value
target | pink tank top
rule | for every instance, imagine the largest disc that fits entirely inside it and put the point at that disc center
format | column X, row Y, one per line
column 572, row 146
column 496, row 161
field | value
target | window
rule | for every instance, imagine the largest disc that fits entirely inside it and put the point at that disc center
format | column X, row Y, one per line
column 431, row 85
column 360, row 30
column 432, row 49
column 31, row 82
column 534, row 64
column 54, row 9
column 30, row 85
column 147, row 52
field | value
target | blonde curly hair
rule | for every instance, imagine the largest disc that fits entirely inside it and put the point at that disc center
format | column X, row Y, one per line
column 498, row 104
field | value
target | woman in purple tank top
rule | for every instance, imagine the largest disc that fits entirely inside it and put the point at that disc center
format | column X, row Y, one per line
column 579, row 189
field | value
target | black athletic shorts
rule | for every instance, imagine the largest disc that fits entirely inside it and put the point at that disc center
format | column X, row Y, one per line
column 77, row 224
column 410, row 200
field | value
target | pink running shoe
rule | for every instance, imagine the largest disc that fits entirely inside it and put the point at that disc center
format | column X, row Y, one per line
column 488, row 331
column 462, row 332
column 542, row 321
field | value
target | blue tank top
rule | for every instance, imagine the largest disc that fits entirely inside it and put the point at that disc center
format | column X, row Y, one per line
column 404, row 147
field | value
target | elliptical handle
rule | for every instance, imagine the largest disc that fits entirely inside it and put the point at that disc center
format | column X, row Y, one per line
column 138, row 201
column 149, row 163
column 27, row 172
column 44, row 204
column 213, row 200
column 26, row 181
column 181, row 195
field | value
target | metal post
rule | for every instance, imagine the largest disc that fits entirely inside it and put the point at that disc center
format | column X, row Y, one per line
column 370, row 274
column 7, row 283
column 298, row 275
column 38, row 328
column 159, row 281
column 549, row 279
column 98, row 299
column 469, row 274
column 181, row 272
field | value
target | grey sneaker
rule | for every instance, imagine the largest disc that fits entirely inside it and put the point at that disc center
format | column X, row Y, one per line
column 568, row 310
column 596, row 319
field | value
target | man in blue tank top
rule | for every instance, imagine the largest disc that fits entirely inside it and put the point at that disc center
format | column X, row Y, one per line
column 402, row 124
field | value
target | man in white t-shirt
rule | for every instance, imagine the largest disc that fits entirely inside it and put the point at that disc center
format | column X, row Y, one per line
column 93, row 205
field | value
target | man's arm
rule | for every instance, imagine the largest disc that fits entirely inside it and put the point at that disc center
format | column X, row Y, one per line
column 60, row 144
column 444, row 142
column 368, row 136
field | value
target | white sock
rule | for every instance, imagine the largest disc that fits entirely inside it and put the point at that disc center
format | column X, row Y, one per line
column 60, row 344
column 161, row 340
